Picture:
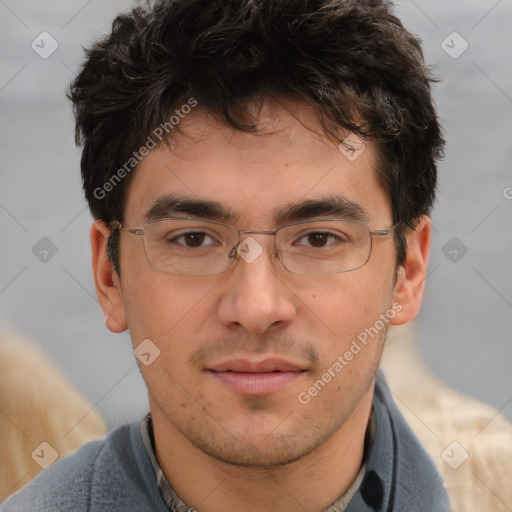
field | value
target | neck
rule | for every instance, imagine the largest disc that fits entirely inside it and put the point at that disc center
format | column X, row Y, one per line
column 311, row 483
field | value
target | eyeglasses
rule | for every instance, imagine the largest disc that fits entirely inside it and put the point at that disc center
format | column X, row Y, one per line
column 198, row 247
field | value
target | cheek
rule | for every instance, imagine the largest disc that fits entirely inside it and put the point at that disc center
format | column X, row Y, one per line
column 347, row 298
column 344, row 307
column 169, row 310
column 158, row 305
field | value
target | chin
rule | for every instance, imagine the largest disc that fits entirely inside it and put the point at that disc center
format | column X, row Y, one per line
column 263, row 454
column 261, row 442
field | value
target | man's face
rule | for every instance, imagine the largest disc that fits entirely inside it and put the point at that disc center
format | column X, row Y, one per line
column 239, row 349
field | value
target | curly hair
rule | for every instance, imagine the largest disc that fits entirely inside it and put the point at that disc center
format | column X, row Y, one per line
column 352, row 60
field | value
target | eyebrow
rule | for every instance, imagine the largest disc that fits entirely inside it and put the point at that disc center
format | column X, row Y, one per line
column 336, row 206
column 171, row 204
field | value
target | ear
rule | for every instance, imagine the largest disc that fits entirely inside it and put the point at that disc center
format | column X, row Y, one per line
column 411, row 275
column 106, row 280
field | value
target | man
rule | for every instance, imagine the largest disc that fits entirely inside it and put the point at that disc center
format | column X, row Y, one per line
column 261, row 175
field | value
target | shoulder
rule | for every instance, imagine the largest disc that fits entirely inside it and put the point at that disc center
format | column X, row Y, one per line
column 63, row 486
column 416, row 482
column 108, row 475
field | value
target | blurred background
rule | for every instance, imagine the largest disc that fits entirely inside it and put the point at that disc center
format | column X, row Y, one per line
column 46, row 287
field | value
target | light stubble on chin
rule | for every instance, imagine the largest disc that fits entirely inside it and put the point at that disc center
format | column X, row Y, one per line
column 302, row 430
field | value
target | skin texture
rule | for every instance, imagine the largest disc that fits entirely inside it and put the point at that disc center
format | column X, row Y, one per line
column 222, row 450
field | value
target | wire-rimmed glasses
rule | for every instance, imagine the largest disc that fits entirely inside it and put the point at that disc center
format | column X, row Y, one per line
column 199, row 247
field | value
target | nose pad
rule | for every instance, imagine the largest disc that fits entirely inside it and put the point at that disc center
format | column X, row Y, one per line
column 233, row 255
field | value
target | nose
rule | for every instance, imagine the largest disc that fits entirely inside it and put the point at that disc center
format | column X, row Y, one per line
column 255, row 297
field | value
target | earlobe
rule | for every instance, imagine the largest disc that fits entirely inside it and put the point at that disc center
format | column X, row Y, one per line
column 106, row 280
column 113, row 325
column 410, row 282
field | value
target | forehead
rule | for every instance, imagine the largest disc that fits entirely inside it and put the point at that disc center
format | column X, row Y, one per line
column 287, row 162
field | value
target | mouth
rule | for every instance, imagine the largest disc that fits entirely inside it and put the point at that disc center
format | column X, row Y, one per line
column 265, row 377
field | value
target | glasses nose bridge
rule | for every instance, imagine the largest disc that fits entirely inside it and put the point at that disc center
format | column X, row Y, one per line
column 249, row 232
column 254, row 232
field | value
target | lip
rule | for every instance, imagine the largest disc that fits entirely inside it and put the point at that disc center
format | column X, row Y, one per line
column 250, row 366
column 249, row 377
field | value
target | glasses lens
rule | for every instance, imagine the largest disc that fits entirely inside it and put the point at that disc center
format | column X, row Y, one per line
column 189, row 247
column 324, row 247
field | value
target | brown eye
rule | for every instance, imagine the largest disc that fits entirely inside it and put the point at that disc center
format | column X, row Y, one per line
column 318, row 239
column 193, row 239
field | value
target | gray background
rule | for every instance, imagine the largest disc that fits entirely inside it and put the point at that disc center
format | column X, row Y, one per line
column 464, row 327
